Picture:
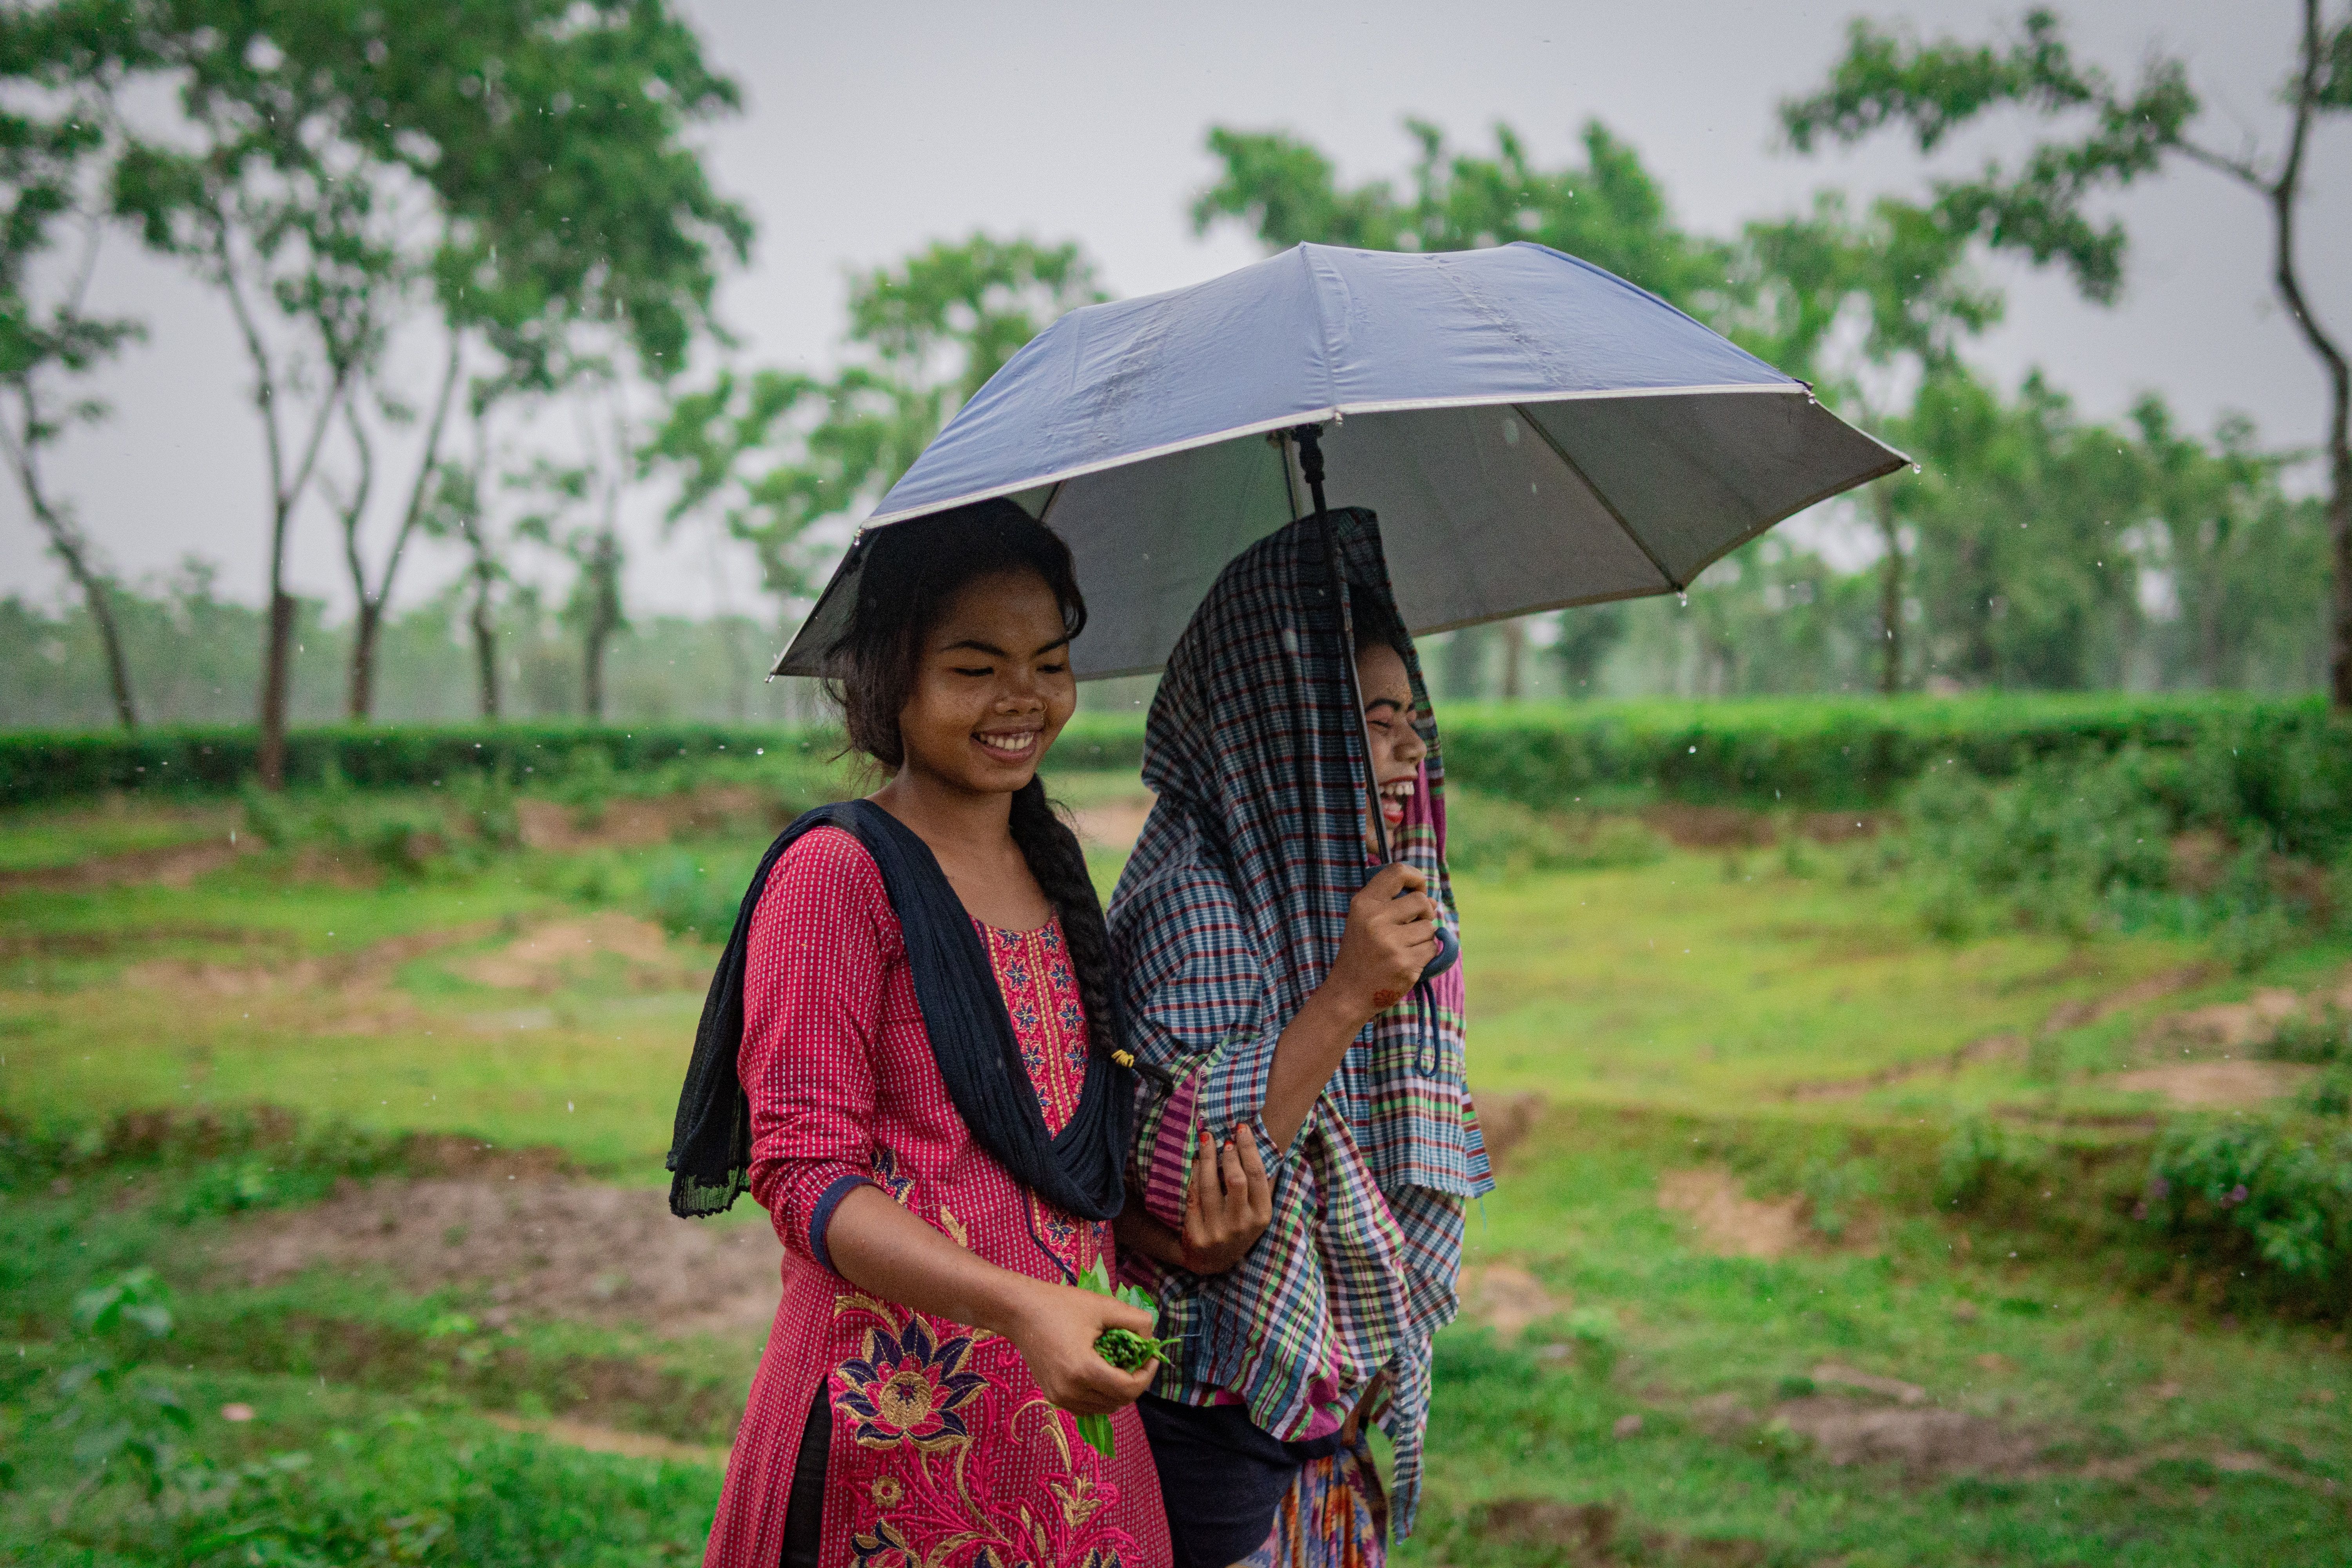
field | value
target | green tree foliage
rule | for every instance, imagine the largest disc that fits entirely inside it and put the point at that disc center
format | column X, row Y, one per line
column 2106, row 137
column 337, row 165
column 61, row 67
column 770, row 453
column 2032, row 577
column 575, row 517
column 1895, row 284
column 2040, row 549
column 2244, row 562
column 1610, row 210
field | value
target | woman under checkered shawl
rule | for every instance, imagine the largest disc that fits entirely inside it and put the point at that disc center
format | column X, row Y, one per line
column 1228, row 916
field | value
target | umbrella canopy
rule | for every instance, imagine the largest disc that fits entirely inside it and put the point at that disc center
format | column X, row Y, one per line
column 1532, row 431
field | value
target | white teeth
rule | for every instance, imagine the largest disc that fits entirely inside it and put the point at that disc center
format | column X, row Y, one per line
column 1020, row 743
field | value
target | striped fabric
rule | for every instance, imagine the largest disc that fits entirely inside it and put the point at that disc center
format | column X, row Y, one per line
column 1227, row 918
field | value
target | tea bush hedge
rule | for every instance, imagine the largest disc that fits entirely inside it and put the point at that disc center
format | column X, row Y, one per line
column 2286, row 758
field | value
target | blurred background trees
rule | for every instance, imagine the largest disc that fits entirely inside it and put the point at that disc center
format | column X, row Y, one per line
column 472, row 249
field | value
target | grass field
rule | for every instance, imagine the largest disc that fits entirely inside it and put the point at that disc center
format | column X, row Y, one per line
column 1717, row 1310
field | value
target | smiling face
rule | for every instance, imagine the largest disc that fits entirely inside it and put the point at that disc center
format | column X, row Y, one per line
column 992, row 686
column 1394, row 745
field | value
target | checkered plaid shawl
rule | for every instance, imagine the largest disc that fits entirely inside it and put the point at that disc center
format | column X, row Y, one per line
column 1227, row 917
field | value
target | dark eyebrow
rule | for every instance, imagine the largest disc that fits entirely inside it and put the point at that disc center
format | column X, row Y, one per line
column 1045, row 647
column 1389, row 702
column 977, row 647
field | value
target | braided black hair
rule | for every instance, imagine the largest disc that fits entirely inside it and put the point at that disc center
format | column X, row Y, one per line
column 907, row 573
column 1059, row 864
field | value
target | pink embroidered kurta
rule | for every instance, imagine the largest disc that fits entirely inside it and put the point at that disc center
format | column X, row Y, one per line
column 944, row 1454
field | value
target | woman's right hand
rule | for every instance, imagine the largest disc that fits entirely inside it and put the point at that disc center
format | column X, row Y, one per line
column 1054, row 1328
column 1392, row 935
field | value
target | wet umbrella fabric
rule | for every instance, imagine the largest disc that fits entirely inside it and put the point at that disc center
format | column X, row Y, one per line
column 1532, row 431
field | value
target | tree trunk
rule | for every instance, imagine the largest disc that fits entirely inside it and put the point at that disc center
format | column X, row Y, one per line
column 486, row 645
column 2285, row 194
column 592, row 675
column 603, row 620
column 2339, row 540
column 101, row 615
column 1890, row 597
column 110, row 637
column 66, row 544
column 277, row 658
column 360, row 702
column 1515, row 653
column 374, row 603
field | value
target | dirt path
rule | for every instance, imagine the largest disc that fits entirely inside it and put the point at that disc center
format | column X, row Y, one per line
column 2077, row 1014
column 545, row 1249
column 1727, row 1222
column 173, row 865
column 630, row 821
column 2200, row 1085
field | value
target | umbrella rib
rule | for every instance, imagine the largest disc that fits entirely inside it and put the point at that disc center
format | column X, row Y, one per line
column 1606, row 504
column 1046, row 512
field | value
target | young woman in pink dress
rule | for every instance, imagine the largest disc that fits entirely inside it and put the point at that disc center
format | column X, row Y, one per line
column 910, row 1058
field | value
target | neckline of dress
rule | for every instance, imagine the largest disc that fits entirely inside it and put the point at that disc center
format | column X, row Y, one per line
column 1007, row 930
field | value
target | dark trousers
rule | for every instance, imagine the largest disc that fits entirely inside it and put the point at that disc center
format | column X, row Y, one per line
column 1221, row 1477
column 805, row 1515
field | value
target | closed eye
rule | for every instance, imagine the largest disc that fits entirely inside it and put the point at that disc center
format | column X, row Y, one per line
column 983, row 669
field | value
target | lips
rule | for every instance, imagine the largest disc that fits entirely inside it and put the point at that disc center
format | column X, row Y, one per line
column 1394, row 797
column 1008, row 745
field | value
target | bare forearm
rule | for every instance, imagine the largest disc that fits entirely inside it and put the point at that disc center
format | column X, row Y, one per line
column 1309, row 1051
column 1139, row 1232
column 881, row 1248
column 1388, row 943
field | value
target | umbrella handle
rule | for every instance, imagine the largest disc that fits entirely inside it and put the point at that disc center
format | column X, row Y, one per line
column 1311, row 464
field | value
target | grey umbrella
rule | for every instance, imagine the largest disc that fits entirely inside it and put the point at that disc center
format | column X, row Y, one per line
column 1532, row 431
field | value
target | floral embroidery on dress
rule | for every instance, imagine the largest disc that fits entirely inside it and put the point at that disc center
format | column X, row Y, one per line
column 1058, row 1232
column 1012, row 966
column 907, row 1388
column 881, row 1547
column 896, row 1179
column 919, row 1400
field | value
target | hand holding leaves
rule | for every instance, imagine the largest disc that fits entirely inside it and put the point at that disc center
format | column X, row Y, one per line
column 1123, row 1348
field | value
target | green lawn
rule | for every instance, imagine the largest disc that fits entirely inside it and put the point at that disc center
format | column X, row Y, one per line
column 1735, row 1012
column 1710, row 983
column 1699, row 982
column 2163, row 1438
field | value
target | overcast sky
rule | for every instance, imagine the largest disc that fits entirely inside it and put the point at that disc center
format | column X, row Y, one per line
column 872, row 129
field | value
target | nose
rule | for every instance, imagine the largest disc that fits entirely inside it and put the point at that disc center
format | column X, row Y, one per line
column 1020, row 694
column 1410, row 747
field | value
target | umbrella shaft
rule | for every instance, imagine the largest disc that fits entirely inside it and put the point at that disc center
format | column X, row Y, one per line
column 1311, row 464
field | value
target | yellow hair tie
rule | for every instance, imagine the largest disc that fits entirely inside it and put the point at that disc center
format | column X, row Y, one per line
column 1124, row 1059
